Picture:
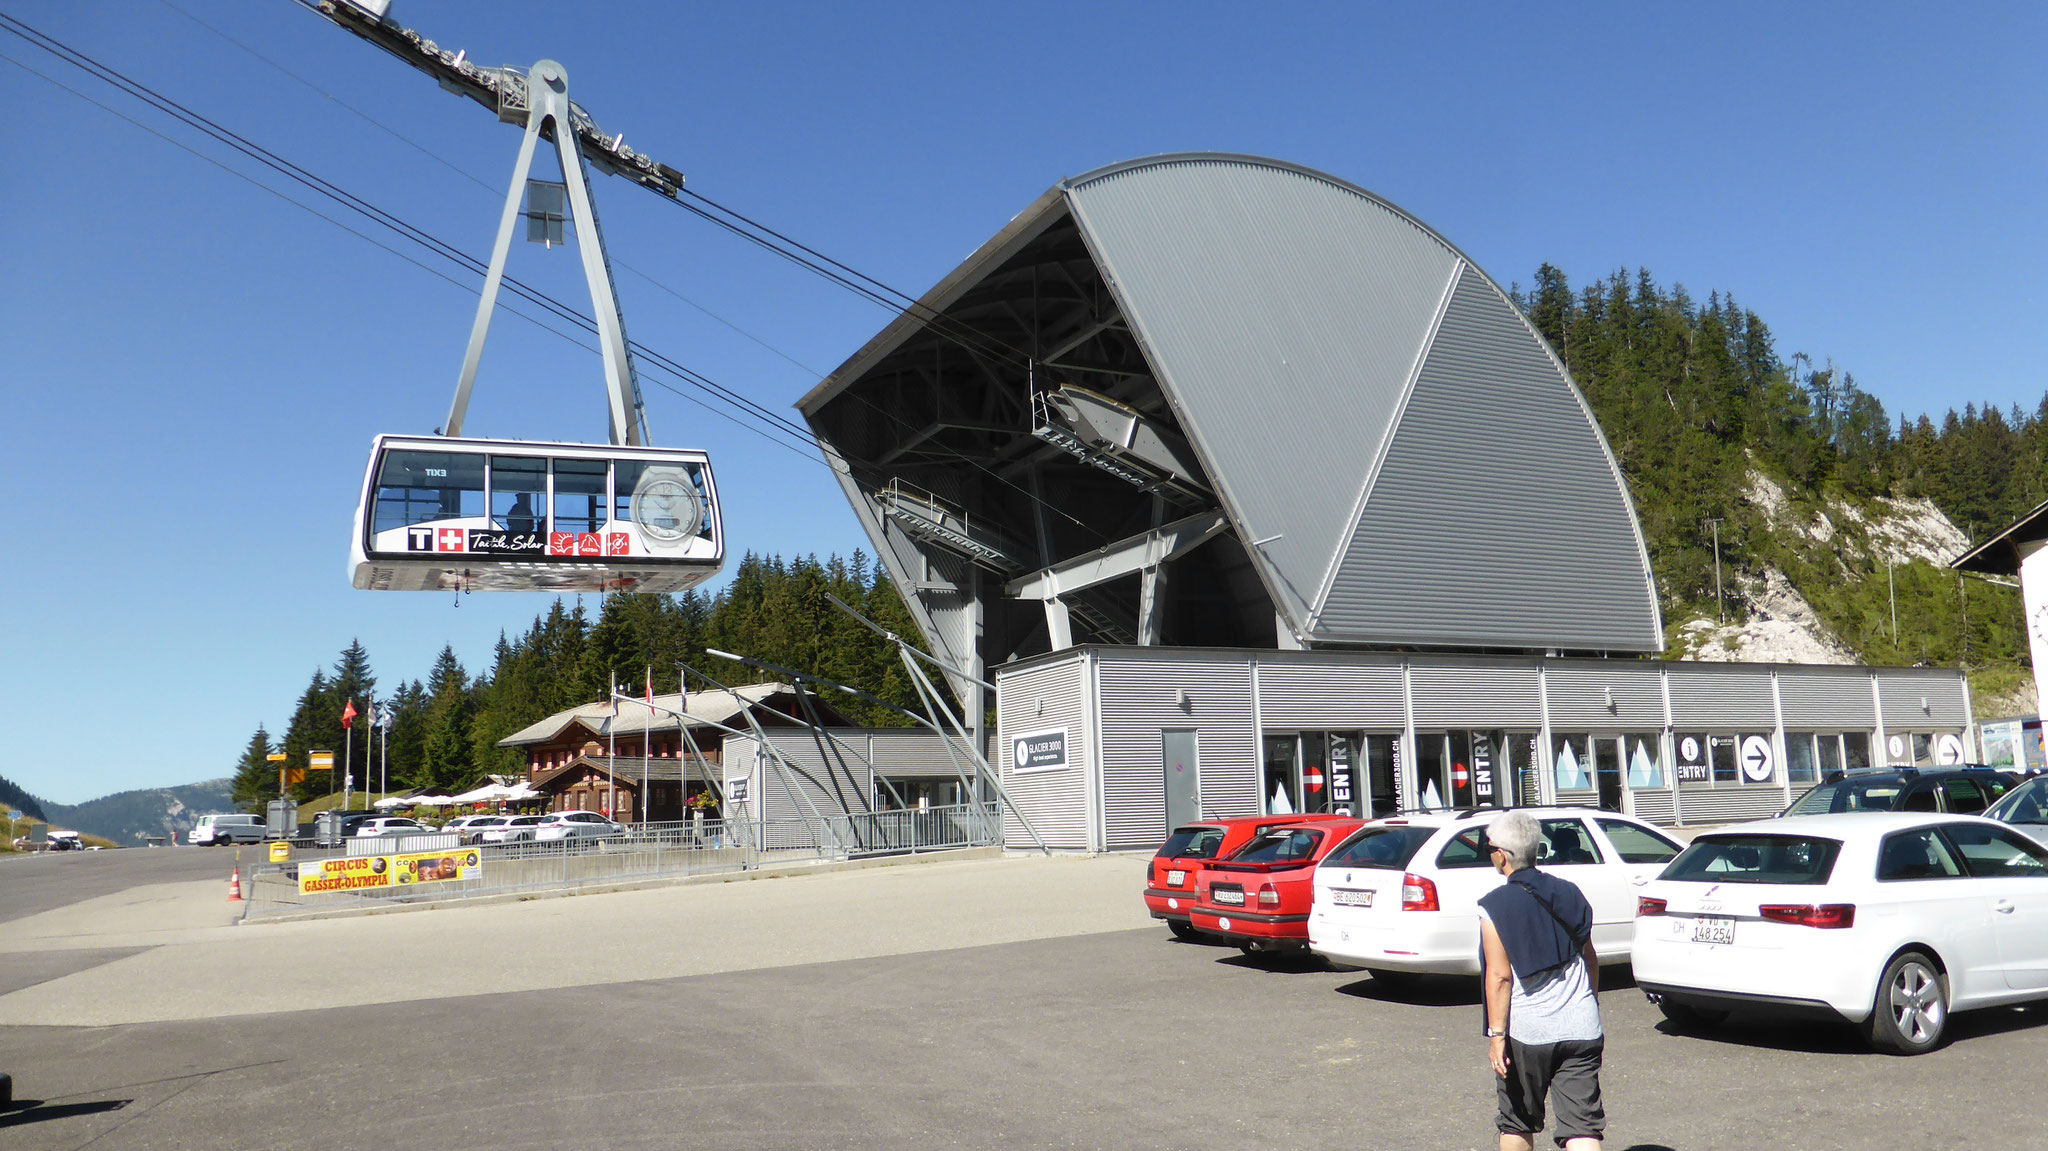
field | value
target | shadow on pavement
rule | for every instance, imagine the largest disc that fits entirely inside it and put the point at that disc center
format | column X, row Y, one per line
column 28, row 1111
column 1418, row 990
column 1277, row 962
column 1844, row 1039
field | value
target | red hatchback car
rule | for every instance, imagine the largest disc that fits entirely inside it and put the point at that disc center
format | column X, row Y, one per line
column 1259, row 896
column 1170, row 880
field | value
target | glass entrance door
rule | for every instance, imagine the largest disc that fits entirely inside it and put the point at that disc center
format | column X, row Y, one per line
column 1341, row 772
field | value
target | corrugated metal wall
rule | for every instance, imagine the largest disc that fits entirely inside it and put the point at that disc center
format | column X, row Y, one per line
column 1900, row 690
column 1729, row 804
column 1320, row 692
column 778, row 795
column 1654, row 805
column 1141, row 690
column 1819, row 699
column 1475, row 695
column 1706, row 695
column 1283, row 312
column 1578, row 695
column 1497, row 518
column 1055, row 694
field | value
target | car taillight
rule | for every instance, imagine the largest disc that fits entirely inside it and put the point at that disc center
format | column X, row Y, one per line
column 1268, row 897
column 1826, row 915
column 1647, row 906
column 1418, row 893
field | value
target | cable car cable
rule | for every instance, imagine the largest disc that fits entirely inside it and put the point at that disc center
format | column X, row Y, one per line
column 355, row 203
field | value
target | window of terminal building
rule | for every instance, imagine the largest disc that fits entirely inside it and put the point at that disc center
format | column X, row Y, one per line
column 1347, row 772
column 1468, row 768
column 1816, row 757
column 1725, row 759
column 1601, row 767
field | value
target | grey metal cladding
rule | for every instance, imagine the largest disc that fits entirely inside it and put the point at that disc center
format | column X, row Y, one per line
column 1143, row 692
column 1283, row 312
column 1900, row 691
column 1497, row 517
column 1578, row 694
column 1475, row 695
column 1818, row 699
column 1729, row 696
column 1056, row 802
column 1321, row 694
column 1729, row 804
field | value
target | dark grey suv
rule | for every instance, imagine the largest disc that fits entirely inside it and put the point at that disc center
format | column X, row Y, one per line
column 1957, row 791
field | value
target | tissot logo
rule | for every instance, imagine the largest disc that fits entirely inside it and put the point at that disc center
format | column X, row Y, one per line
column 419, row 539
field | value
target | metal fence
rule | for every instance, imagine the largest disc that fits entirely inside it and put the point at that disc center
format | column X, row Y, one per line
column 646, row 851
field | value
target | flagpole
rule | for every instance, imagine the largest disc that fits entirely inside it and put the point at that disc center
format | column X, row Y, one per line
column 348, row 764
column 646, row 743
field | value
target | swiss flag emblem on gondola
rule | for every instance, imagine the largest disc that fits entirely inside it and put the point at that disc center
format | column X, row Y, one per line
column 1313, row 779
column 452, row 539
column 561, row 543
column 588, row 544
column 615, row 543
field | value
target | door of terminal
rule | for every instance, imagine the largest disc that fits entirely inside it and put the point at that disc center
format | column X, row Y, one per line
column 1177, row 755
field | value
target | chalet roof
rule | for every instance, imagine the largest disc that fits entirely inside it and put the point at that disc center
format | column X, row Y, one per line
column 704, row 708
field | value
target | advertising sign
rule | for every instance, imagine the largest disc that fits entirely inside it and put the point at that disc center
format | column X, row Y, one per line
column 382, row 872
column 1039, row 750
column 736, row 789
column 1692, row 759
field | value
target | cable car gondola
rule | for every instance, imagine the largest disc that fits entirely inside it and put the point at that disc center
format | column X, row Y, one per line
column 440, row 514
column 445, row 513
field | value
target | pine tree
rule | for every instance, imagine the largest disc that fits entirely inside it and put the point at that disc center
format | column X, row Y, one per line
column 255, row 779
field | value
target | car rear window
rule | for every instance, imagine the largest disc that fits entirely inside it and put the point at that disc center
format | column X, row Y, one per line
column 1849, row 795
column 1389, row 848
column 1790, row 859
column 1280, row 845
column 1192, row 843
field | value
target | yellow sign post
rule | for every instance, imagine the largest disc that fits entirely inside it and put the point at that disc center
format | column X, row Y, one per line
column 280, row 851
column 278, row 758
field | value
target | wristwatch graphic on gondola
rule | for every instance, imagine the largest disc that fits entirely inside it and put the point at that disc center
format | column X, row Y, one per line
column 666, row 507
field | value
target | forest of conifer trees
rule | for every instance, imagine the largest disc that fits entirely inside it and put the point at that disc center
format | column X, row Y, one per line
column 1693, row 398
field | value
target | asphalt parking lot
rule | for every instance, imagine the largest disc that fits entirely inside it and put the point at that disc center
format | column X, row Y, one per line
column 1112, row 1038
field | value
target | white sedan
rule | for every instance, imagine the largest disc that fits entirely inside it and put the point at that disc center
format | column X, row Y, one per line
column 1401, row 896
column 560, row 825
column 1890, row 920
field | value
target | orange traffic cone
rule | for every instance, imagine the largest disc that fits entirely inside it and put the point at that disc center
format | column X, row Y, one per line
column 235, row 887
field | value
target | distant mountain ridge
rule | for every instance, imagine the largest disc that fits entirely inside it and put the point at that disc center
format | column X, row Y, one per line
column 128, row 817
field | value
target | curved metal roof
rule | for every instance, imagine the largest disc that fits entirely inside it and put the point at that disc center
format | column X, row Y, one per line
column 1402, row 455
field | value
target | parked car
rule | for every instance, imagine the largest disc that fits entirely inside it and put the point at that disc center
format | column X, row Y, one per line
column 462, row 825
column 213, row 830
column 1170, row 879
column 390, row 825
column 560, row 825
column 1957, row 791
column 2025, row 807
column 66, row 841
column 1401, row 897
column 511, row 829
column 1890, row 920
column 1259, row 896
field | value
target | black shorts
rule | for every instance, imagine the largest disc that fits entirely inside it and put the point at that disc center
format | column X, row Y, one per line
column 1569, row 1073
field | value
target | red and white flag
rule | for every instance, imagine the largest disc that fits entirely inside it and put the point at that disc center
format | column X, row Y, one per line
column 348, row 714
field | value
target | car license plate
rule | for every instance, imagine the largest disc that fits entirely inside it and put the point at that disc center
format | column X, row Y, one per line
column 1232, row 897
column 1351, row 898
column 1176, row 878
column 1713, row 929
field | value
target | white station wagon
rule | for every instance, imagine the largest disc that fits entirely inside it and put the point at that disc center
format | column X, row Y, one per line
column 1401, row 896
column 1887, row 919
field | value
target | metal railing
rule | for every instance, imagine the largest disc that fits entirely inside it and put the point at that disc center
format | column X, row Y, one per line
column 646, row 851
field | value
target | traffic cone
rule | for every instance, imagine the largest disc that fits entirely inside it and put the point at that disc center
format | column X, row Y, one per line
column 235, row 886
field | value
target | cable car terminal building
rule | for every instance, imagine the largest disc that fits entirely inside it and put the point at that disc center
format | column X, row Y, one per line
column 1256, row 494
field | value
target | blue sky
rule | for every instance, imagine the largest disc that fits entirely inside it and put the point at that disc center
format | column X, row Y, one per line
column 193, row 368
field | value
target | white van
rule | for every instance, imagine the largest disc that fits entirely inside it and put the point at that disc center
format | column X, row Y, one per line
column 217, row 829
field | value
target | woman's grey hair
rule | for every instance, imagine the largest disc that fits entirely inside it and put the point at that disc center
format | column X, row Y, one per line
column 1516, row 833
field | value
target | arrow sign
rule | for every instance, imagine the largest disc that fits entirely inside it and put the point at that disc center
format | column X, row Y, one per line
column 1757, row 761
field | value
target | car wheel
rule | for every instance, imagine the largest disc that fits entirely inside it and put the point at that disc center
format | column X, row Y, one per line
column 1686, row 1017
column 1911, row 1013
column 1394, row 980
column 1184, row 931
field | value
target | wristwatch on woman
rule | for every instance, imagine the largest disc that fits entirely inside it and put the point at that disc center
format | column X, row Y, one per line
column 1496, row 1033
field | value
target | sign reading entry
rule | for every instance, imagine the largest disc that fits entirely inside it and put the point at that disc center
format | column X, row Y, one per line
column 1692, row 760
column 1039, row 750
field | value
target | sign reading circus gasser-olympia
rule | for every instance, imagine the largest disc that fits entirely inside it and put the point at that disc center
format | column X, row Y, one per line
column 372, row 872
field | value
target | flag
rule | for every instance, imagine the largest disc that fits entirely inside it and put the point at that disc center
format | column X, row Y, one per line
column 384, row 717
column 650, row 689
column 348, row 715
